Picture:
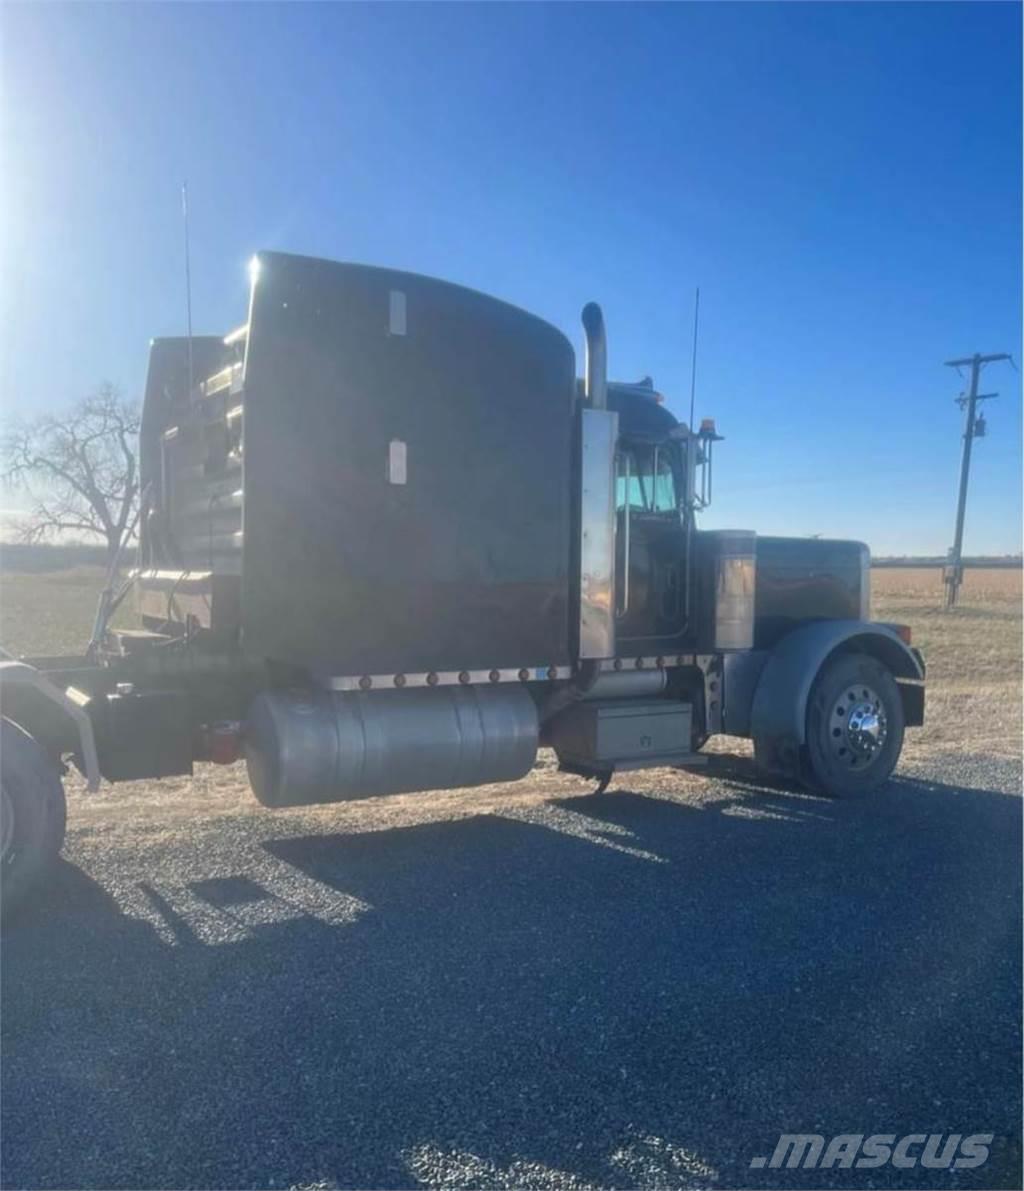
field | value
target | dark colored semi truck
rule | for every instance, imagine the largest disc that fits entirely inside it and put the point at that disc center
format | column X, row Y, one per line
column 389, row 541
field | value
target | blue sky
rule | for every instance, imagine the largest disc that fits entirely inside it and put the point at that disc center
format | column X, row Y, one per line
column 842, row 181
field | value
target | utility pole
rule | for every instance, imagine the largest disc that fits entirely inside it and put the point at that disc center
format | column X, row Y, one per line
column 973, row 428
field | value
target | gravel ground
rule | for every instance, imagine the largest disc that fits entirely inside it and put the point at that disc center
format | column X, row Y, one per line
column 522, row 986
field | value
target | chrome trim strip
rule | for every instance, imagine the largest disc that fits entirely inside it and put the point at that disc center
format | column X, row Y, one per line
column 384, row 682
column 599, row 430
column 651, row 662
column 378, row 682
column 627, row 476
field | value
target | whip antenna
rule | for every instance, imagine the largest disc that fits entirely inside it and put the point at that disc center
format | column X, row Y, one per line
column 693, row 367
column 188, row 285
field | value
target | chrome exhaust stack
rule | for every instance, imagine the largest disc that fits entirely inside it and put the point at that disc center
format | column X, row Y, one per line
column 595, row 376
column 599, row 433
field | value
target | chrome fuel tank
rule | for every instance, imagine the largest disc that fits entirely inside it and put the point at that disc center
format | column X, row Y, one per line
column 327, row 746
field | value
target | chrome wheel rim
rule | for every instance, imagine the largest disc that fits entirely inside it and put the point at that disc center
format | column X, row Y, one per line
column 6, row 823
column 857, row 727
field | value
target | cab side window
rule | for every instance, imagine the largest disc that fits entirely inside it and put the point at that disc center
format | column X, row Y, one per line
column 629, row 484
column 645, row 481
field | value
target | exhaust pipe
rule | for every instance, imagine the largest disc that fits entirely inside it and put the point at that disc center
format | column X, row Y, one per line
column 598, row 428
column 596, row 368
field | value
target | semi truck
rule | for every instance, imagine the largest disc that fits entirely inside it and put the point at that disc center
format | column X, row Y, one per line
column 392, row 539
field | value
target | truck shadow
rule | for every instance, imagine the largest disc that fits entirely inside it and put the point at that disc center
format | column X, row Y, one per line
column 614, row 989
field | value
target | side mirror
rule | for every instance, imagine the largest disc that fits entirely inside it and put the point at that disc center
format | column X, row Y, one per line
column 698, row 453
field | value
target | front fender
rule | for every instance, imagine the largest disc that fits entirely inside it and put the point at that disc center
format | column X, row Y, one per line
column 44, row 710
column 778, row 714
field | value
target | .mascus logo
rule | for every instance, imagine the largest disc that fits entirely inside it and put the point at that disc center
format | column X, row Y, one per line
column 935, row 1151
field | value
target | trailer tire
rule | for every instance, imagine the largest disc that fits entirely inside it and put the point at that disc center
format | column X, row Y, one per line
column 854, row 727
column 33, row 815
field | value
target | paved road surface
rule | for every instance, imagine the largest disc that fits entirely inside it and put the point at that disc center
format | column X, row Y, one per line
column 638, row 989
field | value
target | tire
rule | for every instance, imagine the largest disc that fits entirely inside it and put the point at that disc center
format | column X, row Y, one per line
column 33, row 816
column 854, row 727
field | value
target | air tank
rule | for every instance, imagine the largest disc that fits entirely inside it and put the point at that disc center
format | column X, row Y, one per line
column 306, row 747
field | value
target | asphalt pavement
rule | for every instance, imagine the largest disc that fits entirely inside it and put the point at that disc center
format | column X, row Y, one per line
column 642, row 988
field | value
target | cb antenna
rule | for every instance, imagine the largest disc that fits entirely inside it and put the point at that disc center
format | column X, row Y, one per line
column 693, row 367
column 188, row 285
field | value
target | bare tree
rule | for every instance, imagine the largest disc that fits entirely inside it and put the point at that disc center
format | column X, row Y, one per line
column 79, row 470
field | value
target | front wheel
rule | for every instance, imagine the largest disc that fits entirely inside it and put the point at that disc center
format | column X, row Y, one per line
column 33, row 814
column 854, row 727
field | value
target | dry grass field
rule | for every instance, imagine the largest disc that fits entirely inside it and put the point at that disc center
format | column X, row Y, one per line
column 973, row 654
column 973, row 708
column 49, row 612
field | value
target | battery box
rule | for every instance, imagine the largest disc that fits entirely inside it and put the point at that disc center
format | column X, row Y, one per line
column 622, row 734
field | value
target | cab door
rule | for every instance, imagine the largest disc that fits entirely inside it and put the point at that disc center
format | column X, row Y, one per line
column 650, row 546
